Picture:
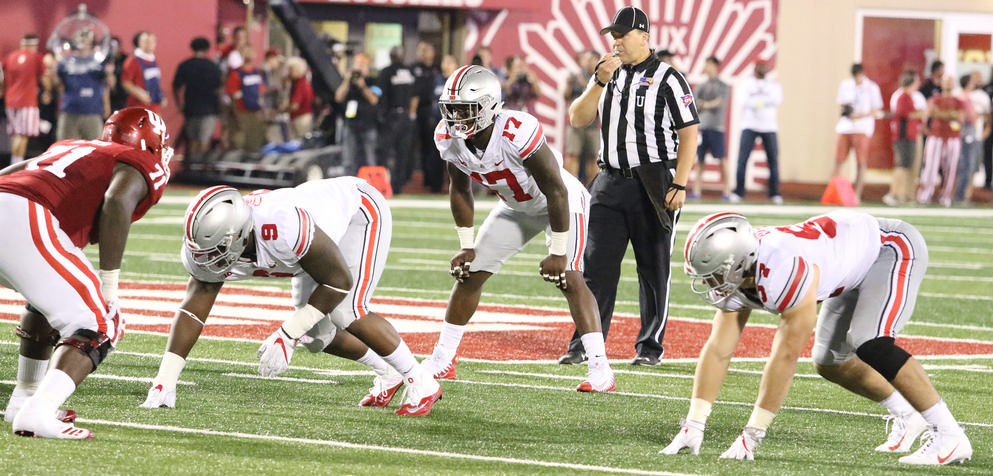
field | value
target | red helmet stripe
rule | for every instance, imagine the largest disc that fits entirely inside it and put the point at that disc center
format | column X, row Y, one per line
column 701, row 225
column 196, row 208
column 458, row 77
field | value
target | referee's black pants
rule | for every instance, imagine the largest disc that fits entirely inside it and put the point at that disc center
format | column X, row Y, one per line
column 620, row 211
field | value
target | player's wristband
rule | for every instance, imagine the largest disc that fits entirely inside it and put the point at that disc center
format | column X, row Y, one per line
column 677, row 186
column 302, row 321
column 108, row 283
column 465, row 236
column 169, row 370
column 558, row 243
column 761, row 418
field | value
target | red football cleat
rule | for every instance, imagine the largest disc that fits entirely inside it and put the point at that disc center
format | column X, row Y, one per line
column 382, row 391
column 421, row 406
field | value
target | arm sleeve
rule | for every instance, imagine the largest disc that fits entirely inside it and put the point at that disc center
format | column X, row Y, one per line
column 679, row 100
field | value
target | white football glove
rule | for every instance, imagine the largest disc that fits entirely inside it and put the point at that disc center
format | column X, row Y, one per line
column 744, row 446
column 690, row 436
column 275, row 354
column 159, row 396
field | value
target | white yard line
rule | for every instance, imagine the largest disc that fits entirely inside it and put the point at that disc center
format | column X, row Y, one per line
column 381, row 448
column 283, row 379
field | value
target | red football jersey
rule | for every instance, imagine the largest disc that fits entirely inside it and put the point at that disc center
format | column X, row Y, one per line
column 70, row 179
column 22, row 69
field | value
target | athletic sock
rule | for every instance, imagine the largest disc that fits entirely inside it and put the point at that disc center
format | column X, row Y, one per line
column 897, row 405
column 448, row 342
column 54, row 389
column 596, row 350
column 30, row 372
column 402, row 360
column 16, row 159
column 169, row 370
column 940, row 416
column 373, row 360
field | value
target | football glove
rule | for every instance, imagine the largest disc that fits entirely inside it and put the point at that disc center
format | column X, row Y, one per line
column 275, row 353
column 744, row 446
column 690, row 436
column 160, row 396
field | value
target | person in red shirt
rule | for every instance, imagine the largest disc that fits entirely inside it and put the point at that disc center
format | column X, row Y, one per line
column 301, row 105
column 944, row 144
column 141, row 76
column 22, row 71
column 77, row 192
column 245, row 86
column 907, row 107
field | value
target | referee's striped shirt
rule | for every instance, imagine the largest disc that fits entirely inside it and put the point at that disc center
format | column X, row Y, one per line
column 641, row 108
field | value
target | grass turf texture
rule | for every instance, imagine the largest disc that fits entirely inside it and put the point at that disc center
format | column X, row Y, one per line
column 494, row 414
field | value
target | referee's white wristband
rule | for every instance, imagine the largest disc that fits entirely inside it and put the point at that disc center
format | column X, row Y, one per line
column 302, row 320
column 558, row 243
column 108, row 283
column 466, row 236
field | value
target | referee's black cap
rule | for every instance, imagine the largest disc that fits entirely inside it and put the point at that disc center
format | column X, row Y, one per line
column 627, row 19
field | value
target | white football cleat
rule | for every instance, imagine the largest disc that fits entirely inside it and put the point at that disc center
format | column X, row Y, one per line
column 35, row 423
column 599, row 378
column 419, row 395
column 16, row 402
column 744, row 446
column 941, row 448
column 384, row 387
column 690, row 437
column 440, row 370
column 158, row 397
column 904, row 432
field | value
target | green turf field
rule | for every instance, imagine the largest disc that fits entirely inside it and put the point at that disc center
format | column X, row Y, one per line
column 501, row 418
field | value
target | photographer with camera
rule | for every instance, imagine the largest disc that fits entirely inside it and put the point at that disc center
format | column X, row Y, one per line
column 861, row 104
column 359, row 100
column 520, row 90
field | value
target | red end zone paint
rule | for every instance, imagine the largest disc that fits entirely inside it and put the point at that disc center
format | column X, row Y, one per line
column 541, row 340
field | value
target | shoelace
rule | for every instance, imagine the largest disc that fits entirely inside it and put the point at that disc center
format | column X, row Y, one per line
column 899, row 425
column 930, row 434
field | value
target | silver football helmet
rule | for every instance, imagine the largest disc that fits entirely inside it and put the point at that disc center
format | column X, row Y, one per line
column 471, row 99
column 218, row 225
column 720, row 250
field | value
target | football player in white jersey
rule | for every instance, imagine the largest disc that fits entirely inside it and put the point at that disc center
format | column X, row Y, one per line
column 332, row 237
column 506, row 152
column 867, row 272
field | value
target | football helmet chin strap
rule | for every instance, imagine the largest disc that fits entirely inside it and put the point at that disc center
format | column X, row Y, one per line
column 96, row 345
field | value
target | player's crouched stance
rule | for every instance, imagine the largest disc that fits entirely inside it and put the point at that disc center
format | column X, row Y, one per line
column 505, row 151
column 868, row 272
column 77, row 192
column 332, row 237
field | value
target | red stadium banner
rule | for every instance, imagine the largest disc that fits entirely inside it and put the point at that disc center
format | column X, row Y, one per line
column 461, row 4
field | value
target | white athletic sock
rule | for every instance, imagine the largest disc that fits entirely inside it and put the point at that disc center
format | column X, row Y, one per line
column 30, row 372
column 402, row 360
column 596, row 350
column 897, row 405
column 373, row 360
column 54, row 389
column 448, row 342
column 16, row 159
column 940, row 416
column 169, row 370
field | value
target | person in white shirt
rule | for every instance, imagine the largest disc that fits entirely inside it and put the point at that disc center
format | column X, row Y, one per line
column 758, row 120
column 861, row 103
column 972, row 134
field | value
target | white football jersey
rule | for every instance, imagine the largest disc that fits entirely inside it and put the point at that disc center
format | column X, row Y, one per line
column 500, row 168
column 284, row 222
column 842, row 244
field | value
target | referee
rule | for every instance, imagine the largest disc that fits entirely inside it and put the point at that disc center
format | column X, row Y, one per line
column 648, row 139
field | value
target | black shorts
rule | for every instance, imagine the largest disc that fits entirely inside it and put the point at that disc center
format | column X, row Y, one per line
column 904, row 151
column 713, row 141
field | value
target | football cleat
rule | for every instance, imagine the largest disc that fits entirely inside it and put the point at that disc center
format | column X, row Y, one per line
column 903, row 434
column 941, row 448
column 37, row 424
column 441, row 371
column 14, row 405
column 599, row 378
column 384, row 387
column 690, row 437
column 419, row 395
column 159, row 397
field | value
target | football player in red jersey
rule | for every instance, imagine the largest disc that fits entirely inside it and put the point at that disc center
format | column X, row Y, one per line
column 77, row 192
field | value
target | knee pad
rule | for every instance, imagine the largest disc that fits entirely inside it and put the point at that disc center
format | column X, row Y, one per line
column 96, row 345
column 884, row 356
column 44, row 339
